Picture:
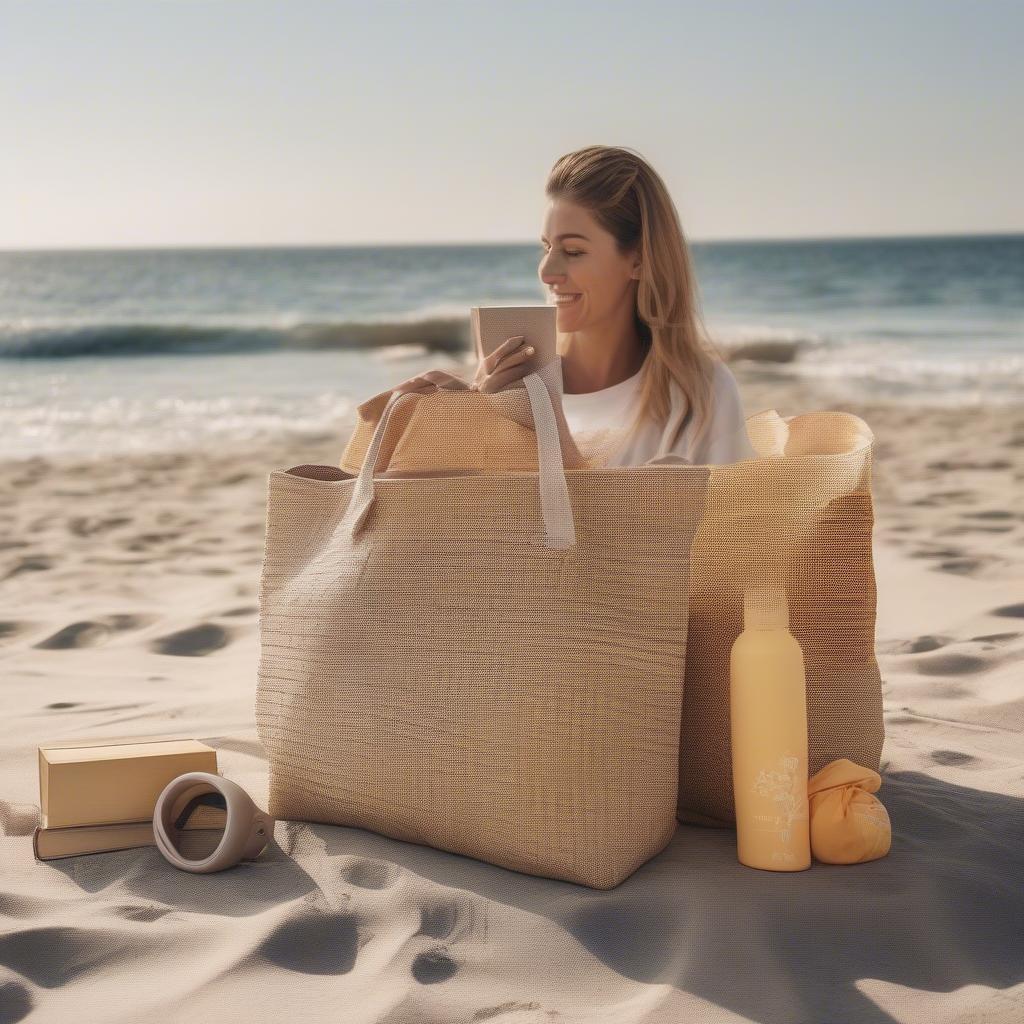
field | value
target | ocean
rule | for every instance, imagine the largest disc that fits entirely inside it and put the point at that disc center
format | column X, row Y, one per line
column 122, row 350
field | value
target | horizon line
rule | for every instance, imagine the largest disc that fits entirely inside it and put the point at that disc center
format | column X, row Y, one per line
column 721, row 240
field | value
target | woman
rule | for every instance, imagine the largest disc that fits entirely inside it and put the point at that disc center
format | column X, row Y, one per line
column 640, row 378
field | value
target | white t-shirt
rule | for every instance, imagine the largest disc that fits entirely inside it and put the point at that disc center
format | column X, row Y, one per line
column 597, row 417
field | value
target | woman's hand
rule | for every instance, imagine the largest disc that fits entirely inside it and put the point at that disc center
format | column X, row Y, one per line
column 504, row 365
column 424, row 380
column 507, row 363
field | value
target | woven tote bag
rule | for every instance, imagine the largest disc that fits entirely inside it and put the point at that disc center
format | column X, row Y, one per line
column 800, row 516
column 486, row 662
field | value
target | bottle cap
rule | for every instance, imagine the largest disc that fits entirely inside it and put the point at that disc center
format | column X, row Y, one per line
column 765, row 607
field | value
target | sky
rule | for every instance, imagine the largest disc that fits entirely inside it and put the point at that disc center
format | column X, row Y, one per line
column 184, row 123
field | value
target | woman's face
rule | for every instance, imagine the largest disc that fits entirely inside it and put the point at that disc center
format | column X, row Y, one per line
column 599, row 282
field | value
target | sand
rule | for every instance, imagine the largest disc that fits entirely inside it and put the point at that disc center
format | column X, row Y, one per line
column 128, row 607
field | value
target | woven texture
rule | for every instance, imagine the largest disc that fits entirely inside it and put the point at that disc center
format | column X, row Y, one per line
column 490, row 663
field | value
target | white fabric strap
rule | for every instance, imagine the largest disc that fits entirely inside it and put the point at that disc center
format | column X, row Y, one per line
column 555, row 503
column 363, row 493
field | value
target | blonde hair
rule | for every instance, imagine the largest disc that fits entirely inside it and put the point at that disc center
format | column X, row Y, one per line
column 630, row 201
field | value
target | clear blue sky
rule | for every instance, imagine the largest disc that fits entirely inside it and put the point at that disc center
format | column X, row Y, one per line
column 176, row 123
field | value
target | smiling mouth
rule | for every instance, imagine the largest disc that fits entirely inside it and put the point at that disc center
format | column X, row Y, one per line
column 566, row 300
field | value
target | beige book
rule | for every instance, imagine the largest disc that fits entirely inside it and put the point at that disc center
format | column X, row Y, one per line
column 53, row 843
column 113, row 780
column 492, row 326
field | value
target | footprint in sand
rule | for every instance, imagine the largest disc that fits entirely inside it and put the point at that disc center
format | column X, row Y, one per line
column 144, row 541
column 963, row 530
column 952, row 757
column 78, row 634
column 193, row 642
column 941, row 498
column 937, row 553
column 15, row 1002
column 950, row 663
column 916, row 646
column 91, row 632
column 371, row 874
column 988, row 513
column 946, row 663
column 500, row 1014
column 54, row 956
column 438, row 920
column 11, row 629
column 963, row 566
column 945, row 465
column 86, row 526
column 30, row 563
column 433, row 966
column 314, row 943
column 148, row 914
column 1010, row 611
column 17, row 819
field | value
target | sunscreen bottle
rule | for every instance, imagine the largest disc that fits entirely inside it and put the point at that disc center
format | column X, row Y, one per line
column 768, row 720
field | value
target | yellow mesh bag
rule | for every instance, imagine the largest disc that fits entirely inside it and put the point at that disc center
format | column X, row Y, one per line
column 487, row 662
column 799, row 515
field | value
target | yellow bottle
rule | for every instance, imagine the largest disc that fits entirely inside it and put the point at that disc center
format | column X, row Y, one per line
column 768, row 718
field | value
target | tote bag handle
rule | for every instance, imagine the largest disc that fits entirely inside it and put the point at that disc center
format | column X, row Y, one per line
column 556, row 507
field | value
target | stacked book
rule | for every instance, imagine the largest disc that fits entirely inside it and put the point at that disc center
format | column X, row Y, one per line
column 96, row 797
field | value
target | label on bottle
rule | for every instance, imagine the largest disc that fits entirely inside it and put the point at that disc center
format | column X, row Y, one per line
column 783, row 786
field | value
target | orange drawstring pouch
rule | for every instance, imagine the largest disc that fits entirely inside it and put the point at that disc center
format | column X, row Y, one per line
column 848, row 825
